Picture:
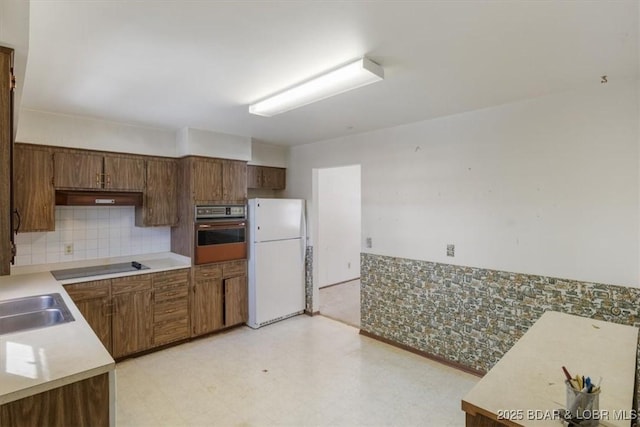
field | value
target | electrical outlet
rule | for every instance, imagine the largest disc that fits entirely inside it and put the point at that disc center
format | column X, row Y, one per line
column 451, row 250
column 369, row 242
column 68, row 249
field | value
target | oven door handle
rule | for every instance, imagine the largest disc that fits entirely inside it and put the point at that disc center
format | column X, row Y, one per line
column 240, row 225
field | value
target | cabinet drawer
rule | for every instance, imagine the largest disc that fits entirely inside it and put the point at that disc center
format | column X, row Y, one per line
column 170, row 294
column 88, row 290
column 234, row 268
column 170, row 278
column 169, row 331
column 171, row 310
column 208, row 272
column 130, row 284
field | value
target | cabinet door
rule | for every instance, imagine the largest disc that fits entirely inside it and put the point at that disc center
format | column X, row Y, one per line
column 33, row 189
column 6, row 143
column 235, row 300
column 208, row 301
column 234, row 181
column 93, row 299
column 97, row 313
column 77, row 170
column 123, row 173
column 160, row 200
column 207, row 180
column 254, row 176
column 273, row 178
column 132, row 322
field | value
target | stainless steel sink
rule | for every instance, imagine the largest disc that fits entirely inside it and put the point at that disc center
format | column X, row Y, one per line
column 39, row 311
column 28, row 304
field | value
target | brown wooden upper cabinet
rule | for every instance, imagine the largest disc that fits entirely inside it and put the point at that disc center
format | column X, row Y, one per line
column 234, row 181
column 6, row 144
column 219, row 180
column 207, row 179
column 91, row 171
column 33, row 188
column 266, row 177
column 160, row 207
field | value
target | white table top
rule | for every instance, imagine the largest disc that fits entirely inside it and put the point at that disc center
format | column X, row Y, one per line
column 528, row 380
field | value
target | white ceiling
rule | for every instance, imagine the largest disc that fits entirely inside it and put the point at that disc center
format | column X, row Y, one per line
column 172, row 64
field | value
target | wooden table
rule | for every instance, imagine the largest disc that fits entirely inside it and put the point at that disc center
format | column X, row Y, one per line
column 527, row 384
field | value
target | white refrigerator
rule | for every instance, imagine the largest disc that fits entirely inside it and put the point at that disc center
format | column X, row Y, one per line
column 276, row 260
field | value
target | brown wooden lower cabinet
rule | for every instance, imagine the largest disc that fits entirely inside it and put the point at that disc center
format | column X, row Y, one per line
column 236, row 309
column 83, row 403
column 479, row 420
column 220, row 296
column 132, row 322
column 170, row 306
column 93, row 299
column 207, row 310
column 137, row 313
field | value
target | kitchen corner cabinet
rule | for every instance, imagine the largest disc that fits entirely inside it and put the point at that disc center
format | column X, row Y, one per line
column 132, row 322
column 93, row 299
column 160, row 206
column 93, row 171
column 33, row 188
column 219, row 296
column 6, row 150
column 265, row 177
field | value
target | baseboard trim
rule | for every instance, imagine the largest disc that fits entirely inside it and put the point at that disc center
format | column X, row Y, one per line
column 439, row 359
column 339, row 283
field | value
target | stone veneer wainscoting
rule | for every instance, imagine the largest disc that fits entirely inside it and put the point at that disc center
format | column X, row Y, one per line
column 473, row 316
column 308, row 280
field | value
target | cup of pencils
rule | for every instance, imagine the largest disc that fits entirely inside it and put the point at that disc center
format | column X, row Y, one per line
column 583, row 399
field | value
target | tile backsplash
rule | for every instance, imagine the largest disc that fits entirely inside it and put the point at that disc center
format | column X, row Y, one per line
column 94, row 232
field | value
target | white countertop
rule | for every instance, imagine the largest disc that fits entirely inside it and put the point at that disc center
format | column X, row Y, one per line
column 42, row 359
column 157, row 262
column 529, row 380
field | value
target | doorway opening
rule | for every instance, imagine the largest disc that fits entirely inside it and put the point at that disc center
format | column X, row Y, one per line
column 337, row 237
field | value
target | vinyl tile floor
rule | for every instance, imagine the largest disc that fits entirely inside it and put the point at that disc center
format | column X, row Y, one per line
column 342, row 302
column 303, row 371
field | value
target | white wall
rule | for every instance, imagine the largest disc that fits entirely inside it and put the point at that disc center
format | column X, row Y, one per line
column 95, row 232
column 263, row 154
column 38, row 127
column 213, row 144
column 545, row 186
column 338, row 224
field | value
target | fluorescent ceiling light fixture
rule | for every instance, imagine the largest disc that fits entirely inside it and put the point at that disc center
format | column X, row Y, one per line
column 351, row 76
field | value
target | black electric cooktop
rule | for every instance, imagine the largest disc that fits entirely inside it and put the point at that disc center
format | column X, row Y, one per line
column 99, row 270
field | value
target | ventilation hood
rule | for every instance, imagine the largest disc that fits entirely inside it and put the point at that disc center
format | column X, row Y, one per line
column 97, row 198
